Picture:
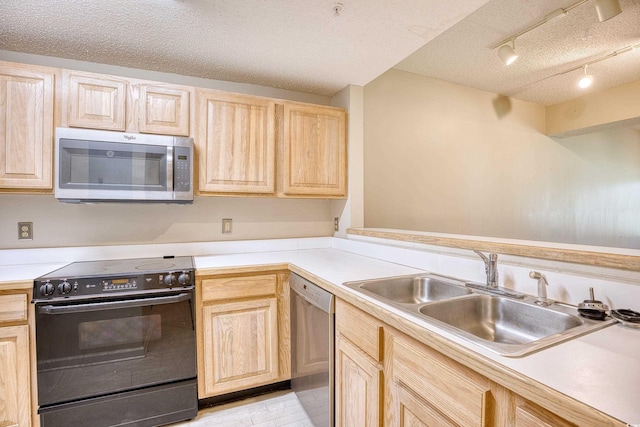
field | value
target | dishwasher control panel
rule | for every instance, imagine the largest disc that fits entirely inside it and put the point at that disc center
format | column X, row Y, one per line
column 312, row 293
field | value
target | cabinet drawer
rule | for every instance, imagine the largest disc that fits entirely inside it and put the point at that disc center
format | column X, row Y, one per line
column 220, row 289
column 13, row 308
column 459, row 393
column 360, row 328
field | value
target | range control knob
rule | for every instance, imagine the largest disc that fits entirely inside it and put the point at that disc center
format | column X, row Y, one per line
column 170, row 279
column 64, row 287
column 184, row 279
column 47, row 289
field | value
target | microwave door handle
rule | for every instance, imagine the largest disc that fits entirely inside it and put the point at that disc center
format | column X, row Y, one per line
column 112, row 305
column 170, row 166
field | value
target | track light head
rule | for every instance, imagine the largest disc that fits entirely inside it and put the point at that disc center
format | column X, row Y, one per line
column 607, row 9
column 586, row 79
column 508, row 53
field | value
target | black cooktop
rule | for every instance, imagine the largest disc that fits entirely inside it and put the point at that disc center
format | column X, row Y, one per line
column 88, row 279
column 119, row 267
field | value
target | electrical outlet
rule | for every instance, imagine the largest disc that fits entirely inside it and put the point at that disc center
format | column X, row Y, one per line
column 25, row 231
column 227, row 224
column 336, row 224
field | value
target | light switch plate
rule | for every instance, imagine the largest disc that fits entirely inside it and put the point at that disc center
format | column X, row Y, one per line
column 25, row 231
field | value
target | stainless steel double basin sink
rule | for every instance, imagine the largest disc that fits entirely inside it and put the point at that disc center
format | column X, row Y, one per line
column 509, row 327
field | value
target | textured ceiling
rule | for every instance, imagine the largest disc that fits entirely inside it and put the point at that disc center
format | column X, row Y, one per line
column 290, row 44
column 464, row 54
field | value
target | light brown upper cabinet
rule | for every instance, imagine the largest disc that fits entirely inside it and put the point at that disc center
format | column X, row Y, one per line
column 163, row 110
column 240, row 137
column 26, row 127
column 98, row 101
column 235, row 143
column 94, row 101
column 314, row 150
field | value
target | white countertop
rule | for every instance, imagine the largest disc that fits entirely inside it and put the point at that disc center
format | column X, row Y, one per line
column 601, row 369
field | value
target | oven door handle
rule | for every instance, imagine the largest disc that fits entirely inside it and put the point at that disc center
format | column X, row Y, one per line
column 112, row 305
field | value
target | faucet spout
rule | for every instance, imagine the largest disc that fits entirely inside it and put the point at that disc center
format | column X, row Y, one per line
column 490, row 268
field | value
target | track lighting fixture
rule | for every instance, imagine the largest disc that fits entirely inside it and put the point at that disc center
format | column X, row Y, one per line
column 607, row 9
column 508, row 53
column 586, row 79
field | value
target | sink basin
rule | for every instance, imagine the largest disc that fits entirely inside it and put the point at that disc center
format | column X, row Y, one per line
column 509, row 327
column 412, row 289
column 501, row 320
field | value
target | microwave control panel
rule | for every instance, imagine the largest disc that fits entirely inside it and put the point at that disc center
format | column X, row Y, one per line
column 181, row 169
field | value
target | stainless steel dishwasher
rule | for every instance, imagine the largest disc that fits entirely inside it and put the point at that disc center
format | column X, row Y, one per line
column 312, row 354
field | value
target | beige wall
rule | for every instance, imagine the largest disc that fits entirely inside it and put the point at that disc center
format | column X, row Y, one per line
column 62, row 224
column 351, row 211
column 445, row 158
column 59, row 224
column 596, row 111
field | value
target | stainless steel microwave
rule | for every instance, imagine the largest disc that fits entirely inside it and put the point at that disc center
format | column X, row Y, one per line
column 105, row 166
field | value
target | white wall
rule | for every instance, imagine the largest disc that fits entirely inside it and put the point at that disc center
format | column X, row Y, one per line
column 57, row 224
column 445, row 158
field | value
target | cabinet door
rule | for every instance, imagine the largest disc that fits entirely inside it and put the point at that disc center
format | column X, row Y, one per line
column 358, row 387
column 240, row 345
column 15, row 401
column 163, row 110
column 446, row 387
column 413, row 411
column 95, row 101
column 26, row 128
column 528, row 415
column 236, row 143
column 315, row 150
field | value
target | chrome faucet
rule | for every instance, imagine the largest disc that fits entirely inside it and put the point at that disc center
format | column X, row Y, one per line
column 491, row 268
column 542, row 288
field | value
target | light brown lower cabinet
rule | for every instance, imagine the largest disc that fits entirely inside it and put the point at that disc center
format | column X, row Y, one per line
column 358, row 371
column 424, row 387
column 411, row 410
column 15, row 362
column 427, row 387
column 358, row 386
column 530, row 415
column 243, row 332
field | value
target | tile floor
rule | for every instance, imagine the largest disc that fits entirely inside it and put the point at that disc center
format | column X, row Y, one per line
column 279, row 409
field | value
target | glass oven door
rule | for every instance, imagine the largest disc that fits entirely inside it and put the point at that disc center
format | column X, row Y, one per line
column 87, row 349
